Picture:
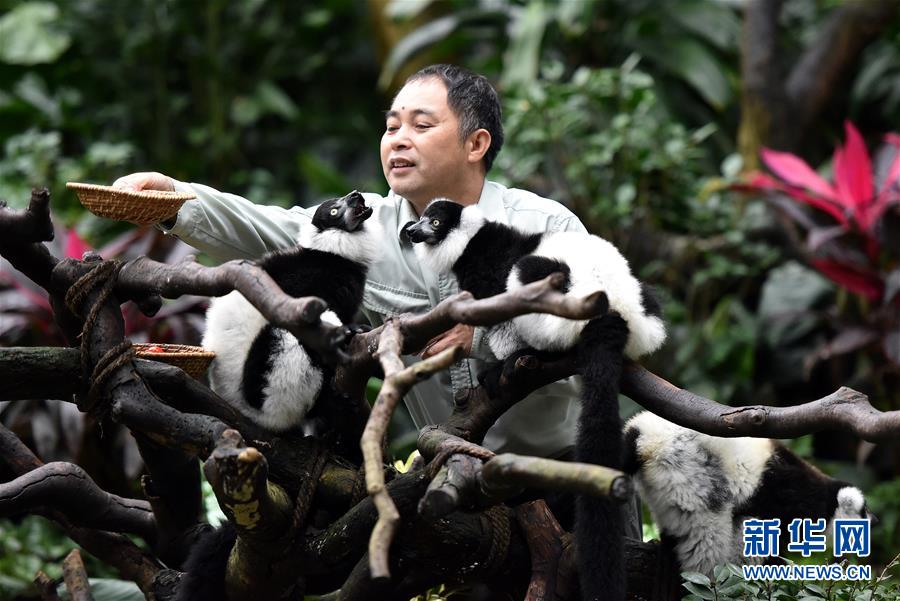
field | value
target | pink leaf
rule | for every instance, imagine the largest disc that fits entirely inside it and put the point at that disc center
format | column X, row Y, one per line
column 853, row 175
column 797, row 172
column 761, row 182
column 75, row 245
column 852, row 278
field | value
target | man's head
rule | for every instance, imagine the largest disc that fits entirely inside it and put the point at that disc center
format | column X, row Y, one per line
column 442, row 134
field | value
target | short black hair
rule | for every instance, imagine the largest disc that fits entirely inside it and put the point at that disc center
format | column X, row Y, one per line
column 474, row 101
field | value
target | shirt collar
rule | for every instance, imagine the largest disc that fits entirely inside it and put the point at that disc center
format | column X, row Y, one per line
column 490, row 203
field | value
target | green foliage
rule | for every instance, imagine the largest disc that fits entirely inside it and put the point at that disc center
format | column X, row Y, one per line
column 729, row 585
column 597, row 140
column 253, row 97
column 34, row 544
column 884, row 501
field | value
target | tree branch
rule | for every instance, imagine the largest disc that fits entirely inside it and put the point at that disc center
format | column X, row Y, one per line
column 826, row 64
column 76, row 578
column 67, row 489
column 29, row 225
column 397, row 382
column 845, row 409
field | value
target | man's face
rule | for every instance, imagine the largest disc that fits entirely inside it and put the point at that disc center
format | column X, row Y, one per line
column 421, row 153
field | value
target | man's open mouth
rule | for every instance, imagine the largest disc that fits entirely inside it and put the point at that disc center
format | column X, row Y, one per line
column 401, row 164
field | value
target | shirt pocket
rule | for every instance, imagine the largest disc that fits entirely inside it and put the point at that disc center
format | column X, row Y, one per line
column 393, row 300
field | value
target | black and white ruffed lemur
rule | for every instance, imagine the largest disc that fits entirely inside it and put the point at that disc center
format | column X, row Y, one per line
column 700, row 488
column 263, row 370
column 489, row 258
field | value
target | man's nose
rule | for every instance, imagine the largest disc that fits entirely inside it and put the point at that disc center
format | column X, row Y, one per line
column 400, row 139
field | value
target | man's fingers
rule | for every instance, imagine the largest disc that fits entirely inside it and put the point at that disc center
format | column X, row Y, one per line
column 145, row 181
column 126, row 183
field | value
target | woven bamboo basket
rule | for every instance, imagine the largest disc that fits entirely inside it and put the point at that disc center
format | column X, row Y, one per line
column 193, row 360
column 143, row 208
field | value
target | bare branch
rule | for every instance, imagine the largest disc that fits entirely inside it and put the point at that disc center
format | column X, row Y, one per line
column 398, row 380
column 456, row 485
column 300, row 316
column 544, row 296
column 844, row 409
column 67, row 488
column 263, row 564
column 29, row 225
column 537, row 472
column 46, row 586
column 114, row 549
column 545, row 541
column 76, row 578
column 833, row 56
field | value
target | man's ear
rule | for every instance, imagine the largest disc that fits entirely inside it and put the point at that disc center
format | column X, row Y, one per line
column 477, row 145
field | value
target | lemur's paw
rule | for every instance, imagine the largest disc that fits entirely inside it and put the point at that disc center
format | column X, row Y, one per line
column 359, row 328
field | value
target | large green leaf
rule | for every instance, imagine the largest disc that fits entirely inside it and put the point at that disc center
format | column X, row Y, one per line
column 520, row 64
column 694, row 63
column 429, row 34
column 28, row 35
column 716, row 23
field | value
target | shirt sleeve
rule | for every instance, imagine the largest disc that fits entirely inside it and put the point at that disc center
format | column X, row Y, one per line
column 227, row 226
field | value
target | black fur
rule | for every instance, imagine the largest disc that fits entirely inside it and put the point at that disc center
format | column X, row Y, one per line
column 599, row 527
column 304, row 272
column 259, row 364
column 205, row 567
column 791, row 487
column 301, row 272
column 650, row 300
column 632, row 463
column 533, row 268
column 489, row 256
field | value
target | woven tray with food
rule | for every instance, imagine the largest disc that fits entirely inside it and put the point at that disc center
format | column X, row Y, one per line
column 143, row 208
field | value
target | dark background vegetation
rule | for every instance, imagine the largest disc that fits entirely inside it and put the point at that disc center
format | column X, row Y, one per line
column 638, row 115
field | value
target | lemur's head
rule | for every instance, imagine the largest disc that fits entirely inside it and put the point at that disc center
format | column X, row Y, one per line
column 346, row 213
column 442, row 232
column 851, row 504
column 340, row 226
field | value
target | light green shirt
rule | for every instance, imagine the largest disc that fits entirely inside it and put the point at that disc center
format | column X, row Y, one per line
column 226, row 227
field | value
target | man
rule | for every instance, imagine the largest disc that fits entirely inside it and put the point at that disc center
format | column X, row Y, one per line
column 442, row 134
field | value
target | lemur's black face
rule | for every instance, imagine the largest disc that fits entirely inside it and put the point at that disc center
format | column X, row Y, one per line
column 439, row 219
column 347, row 213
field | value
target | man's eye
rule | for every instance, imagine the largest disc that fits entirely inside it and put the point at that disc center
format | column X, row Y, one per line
column 422, row 125
column 435, row 222
column 334, row 212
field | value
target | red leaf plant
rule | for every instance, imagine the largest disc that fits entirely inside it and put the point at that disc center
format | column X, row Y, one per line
column 847, row 231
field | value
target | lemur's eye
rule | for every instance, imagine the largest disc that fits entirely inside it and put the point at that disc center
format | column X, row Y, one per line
column 435, row 222
column 334, row 212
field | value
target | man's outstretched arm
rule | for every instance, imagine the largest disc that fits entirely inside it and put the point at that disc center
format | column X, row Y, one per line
column 225, row 226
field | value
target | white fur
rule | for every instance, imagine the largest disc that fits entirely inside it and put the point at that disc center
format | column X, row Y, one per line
column 441, row 257
column 503, row 339
column 595, row 264
column 677, row 478
column 362, row 246
column 851, row 503
column 232, row 324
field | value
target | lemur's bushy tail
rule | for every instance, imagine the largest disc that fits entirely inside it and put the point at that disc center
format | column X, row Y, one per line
column 206, row 565
column 599, row 528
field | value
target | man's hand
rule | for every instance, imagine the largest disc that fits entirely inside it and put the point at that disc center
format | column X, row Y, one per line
column 460, row 334
column 145, row 180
